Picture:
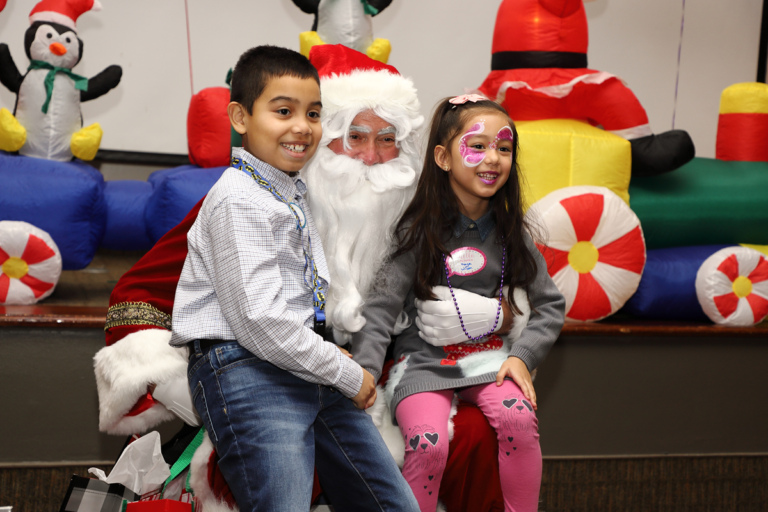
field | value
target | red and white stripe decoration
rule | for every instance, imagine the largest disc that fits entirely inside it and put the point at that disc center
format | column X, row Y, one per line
column 595, row 250
column 30, row 263
column 732, row 286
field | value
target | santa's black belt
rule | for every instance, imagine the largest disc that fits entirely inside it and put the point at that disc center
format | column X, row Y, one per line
column 534, row 59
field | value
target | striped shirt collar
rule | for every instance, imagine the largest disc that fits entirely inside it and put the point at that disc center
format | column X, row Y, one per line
column 285, row 184
column 484, row 225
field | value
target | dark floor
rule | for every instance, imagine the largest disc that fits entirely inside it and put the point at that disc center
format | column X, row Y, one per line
column 674, row 484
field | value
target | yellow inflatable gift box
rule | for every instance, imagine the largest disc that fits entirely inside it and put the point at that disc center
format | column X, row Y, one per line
column 559, row 153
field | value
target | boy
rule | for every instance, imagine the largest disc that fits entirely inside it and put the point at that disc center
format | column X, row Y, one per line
column 249, row 304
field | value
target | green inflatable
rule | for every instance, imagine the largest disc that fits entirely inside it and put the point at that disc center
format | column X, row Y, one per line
column 704, row 202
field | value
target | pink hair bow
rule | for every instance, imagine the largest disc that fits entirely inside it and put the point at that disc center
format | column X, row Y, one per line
column 460, row 100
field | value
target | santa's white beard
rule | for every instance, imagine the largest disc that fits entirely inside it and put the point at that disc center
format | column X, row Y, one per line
column 355, row 207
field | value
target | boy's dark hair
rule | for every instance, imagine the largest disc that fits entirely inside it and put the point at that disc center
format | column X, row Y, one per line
column 434, row 210
column 258, row 65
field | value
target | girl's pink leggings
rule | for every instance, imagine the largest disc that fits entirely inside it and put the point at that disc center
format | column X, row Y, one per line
column 423, row 420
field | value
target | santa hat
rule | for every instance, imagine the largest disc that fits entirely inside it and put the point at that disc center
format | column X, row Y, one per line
column 352, row 81
column 63, row 12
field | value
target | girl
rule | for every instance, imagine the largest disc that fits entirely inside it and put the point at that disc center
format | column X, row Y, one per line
column 465, row 230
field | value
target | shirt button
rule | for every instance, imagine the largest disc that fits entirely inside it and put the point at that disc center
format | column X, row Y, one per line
column 471, row 226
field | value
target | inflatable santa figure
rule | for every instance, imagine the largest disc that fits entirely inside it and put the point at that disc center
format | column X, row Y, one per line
column 47, row 122
column 539, row 71
column 141, row 379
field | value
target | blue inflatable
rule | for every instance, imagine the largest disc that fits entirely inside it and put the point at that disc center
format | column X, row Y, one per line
column 175, row 192
column 126, row 228
column 65, row 199
column 667, row 290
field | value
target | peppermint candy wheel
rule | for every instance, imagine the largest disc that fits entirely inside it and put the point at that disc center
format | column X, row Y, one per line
column 30, row 263
column 595, row 251
column 732, row 286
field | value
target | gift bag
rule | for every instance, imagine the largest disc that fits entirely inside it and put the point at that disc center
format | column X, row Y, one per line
column 92, row 495
column 176, row 494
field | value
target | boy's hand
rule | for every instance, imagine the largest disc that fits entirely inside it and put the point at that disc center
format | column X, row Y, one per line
column 345, row 352
column 515, row 369
column 367, row 394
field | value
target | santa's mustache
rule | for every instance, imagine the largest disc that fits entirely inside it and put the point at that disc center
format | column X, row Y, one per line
column 349, row 173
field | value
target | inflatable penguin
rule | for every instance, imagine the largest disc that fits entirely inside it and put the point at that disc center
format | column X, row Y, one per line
column 346, row 22
column 47, row 122
column 539, row 71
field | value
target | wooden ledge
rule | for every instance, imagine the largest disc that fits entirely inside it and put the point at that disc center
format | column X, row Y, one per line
column 640, row 327
column 39, row 315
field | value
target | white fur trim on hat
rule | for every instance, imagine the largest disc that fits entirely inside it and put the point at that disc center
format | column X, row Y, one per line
column 363, row 90
column 125, row 369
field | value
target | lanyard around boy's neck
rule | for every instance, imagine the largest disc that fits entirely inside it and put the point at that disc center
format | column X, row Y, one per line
column 318, row 294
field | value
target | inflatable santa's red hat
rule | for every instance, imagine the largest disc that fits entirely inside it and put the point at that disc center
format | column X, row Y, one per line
column 540, row 33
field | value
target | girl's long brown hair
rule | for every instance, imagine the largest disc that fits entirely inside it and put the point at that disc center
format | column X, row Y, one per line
column 430, row 217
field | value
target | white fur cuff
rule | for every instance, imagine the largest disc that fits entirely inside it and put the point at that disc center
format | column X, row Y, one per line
column 123, row 372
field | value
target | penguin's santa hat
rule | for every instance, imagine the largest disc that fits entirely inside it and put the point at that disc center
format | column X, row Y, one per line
column 351, row 82
column 63, row 12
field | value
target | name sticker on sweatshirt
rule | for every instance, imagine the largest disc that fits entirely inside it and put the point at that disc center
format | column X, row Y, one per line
column 465, row 261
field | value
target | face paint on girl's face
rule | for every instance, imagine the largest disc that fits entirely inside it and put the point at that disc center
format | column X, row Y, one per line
column 471, row 156
column 504, row 135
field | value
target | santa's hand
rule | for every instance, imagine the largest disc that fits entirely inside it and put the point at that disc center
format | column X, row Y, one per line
column 175, row 396
column 439, row 324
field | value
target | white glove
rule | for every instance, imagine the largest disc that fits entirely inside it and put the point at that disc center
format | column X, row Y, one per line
column 439, row 323
column 175, row 396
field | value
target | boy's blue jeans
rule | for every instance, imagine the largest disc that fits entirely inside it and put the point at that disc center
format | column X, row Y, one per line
column 267, row 425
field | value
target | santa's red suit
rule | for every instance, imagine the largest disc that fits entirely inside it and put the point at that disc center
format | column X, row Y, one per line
column 137, row 356
column 539, row 71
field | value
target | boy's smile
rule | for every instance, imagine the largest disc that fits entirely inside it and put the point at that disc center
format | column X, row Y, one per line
column 283, row 128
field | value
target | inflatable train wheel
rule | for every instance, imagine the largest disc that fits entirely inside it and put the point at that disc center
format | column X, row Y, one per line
column 732, row 286
column 30, row 263
column 595, row 250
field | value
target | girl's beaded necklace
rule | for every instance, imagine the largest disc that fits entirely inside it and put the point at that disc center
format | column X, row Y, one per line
column 501, row 295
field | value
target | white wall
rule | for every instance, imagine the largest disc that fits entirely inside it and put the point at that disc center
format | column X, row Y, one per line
column 444, row 45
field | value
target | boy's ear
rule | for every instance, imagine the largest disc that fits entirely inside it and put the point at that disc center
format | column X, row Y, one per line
column 237, row 116
column 442, row 159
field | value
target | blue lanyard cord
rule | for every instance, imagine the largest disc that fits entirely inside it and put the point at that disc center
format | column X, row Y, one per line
column 318, row 294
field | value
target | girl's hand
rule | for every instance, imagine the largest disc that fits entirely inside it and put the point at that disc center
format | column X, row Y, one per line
column 345, row 352
column 515, row 369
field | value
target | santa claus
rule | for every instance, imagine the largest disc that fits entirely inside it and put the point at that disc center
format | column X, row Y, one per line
column 359, row 182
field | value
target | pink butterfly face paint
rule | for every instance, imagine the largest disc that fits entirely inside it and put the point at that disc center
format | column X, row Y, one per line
column 505, row 134
column 471, row 156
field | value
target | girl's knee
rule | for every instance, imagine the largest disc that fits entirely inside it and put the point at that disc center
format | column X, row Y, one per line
column 517, row 417
column 427, row 449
